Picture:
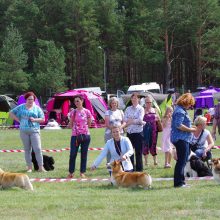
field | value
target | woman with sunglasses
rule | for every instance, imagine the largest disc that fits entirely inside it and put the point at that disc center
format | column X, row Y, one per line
column 150, row 130
column 80, row 121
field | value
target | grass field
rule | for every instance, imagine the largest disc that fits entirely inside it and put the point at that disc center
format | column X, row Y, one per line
column 99, row 200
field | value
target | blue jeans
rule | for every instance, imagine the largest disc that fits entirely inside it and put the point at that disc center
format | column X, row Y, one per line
column 200, row 151
column 182, row 150
column 74, row 147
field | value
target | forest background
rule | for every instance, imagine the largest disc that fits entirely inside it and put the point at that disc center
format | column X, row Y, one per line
column 52, row 45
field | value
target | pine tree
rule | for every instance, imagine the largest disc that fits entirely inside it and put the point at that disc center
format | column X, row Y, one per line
column 13, row 60
column 49, row 68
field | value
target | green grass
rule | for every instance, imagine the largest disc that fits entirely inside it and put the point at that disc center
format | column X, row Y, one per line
column 99, row 200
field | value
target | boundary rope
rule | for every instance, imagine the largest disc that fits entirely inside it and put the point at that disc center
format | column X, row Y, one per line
column 52, row 150
column 63, row 149
column 61, row 180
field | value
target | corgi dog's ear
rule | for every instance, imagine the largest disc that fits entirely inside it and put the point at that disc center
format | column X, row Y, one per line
column 113, row 163
column 216, row 163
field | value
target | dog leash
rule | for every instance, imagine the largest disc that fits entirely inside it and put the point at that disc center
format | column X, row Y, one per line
column 117, row 148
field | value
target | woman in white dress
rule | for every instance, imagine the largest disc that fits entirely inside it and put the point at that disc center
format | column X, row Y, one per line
column 166, row 143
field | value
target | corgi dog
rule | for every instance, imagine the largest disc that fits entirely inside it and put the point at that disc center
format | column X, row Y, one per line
column 216, row 169
column 8, row 180
column 129, row 179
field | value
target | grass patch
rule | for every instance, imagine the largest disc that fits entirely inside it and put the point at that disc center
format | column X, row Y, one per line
column 73, row 200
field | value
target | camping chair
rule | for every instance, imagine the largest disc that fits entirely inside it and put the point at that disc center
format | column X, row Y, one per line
column 3, row 118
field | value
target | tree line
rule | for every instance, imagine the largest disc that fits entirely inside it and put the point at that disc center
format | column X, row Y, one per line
column 53, row 45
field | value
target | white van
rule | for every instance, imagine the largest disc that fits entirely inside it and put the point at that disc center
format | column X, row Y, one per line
column 92, row 89
column 150, row 87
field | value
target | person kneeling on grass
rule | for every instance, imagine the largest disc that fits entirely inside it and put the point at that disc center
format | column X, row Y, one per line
column 119, row 148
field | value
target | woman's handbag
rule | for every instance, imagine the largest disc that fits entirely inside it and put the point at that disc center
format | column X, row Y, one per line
column 194, row 146
column 79, row 137
column 159, row 126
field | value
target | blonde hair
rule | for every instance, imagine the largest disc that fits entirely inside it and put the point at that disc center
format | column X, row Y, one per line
column 115, row 127
column 165, row 119
column 200, row 120
column 149, row 98
column 112, row 99
column 186, row 100
column 168, row 108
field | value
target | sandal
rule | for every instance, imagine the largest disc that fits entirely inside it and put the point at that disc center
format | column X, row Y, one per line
column 167, row 166
column 70, row 176
column 42, row 170
column 82, row 175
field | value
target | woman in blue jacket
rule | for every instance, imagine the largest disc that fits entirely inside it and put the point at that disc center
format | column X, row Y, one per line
column 120, row 148
column 181, row 133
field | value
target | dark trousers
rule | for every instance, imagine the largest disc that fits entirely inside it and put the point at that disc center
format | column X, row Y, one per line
column 182, row 150
column 74, row 147
column 137, row 142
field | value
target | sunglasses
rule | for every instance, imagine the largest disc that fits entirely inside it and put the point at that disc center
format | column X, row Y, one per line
column 148, row 102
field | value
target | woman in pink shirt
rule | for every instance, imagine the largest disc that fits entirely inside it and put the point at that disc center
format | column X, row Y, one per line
column 80, row 121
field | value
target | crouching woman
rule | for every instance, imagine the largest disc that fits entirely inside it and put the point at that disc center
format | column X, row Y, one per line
column 119, row 148
column 202, row 139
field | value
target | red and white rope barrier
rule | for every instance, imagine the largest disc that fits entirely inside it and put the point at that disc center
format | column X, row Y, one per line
column 63, row 149
column 47, row 150
column 61, row 180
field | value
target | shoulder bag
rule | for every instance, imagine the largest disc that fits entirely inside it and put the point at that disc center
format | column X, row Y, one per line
column 194, row 146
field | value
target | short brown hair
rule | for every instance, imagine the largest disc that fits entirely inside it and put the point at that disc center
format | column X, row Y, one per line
column 186, row 100
column 78, row 96
column 135, row 94
column 27, row 94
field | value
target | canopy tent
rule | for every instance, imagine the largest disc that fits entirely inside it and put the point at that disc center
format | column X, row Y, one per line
column 209, row 91
column 204, row 101
column 6, row 103
column 60, row 105
column 206, row 98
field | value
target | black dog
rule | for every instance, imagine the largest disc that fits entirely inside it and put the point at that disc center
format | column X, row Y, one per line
column 199, row 166
column 48, row 162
